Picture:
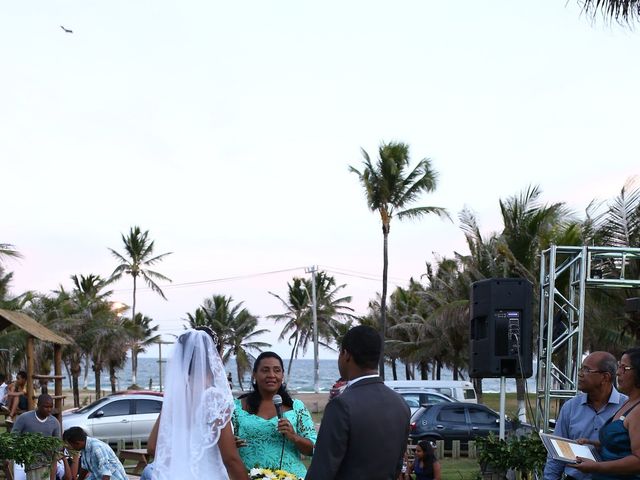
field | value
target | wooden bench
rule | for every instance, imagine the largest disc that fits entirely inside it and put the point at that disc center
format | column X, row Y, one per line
column 138, row 454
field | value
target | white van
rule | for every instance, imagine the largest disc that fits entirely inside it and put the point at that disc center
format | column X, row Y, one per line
column 459, row 390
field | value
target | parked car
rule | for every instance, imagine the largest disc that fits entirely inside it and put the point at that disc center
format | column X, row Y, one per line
column 127, row 416
column 461, row 391
column 455, row 421
column 416, row 398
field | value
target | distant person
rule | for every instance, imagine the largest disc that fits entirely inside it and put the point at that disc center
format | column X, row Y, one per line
column 192, row 438
column 586, row 414
column 619, row 438
column 363, row 434
column 425, row 466
column 97, row 458
column 3, row 393
column 17, row 396
column 264, row 438
column 40, row 421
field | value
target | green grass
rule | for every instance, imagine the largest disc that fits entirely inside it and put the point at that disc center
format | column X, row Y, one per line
column 459, row 469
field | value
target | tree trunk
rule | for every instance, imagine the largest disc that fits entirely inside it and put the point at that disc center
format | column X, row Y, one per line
column 424, row 370
column 97, row 370
column 407, row 372
column 239, row 374
column 134, row 366
column 134, row 357
column 383, row 300
column 293, row 353
column 112, row 378
column 76, row 370
column 477, row 385
column 394, row 369
column 85, row 383
column 76, row 391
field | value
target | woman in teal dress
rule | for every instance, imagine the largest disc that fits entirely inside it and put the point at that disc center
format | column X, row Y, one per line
column 261, row 436
column 619, row 438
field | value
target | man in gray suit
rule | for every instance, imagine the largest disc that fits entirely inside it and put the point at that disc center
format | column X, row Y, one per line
column 364, row 430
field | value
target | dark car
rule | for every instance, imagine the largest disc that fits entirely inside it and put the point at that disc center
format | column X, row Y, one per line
column 455, row 421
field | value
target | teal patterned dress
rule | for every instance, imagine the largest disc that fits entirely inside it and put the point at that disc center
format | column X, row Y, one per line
column 264, row 443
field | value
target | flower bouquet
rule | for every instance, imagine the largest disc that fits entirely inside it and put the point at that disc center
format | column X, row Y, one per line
column 268, row 474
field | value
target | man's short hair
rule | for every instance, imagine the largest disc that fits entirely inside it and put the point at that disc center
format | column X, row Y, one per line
column 74, row 434
column 43, row 398
column 21, row 374
column 3, row 377
column 364, row 344
column 608, row 364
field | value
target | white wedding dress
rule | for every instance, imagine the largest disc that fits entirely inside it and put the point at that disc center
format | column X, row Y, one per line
column 197, row 405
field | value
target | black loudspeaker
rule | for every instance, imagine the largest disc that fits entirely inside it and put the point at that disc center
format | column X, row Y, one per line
column 501, row 328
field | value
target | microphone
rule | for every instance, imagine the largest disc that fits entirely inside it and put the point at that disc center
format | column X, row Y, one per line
column 277, row 402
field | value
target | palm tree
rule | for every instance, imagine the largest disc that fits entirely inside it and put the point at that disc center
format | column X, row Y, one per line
column 298, row 316
column 619, row 10
column 390, row 189
column 142, row 334
column 136, row 260
column 8, row 250
column 235, row 327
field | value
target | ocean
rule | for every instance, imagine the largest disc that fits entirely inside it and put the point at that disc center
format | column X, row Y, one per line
column 301, row 378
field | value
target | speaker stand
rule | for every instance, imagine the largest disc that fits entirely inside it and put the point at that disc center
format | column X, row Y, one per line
column 503, row 402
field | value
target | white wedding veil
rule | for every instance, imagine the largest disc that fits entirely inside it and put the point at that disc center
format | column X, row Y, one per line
column 197, row 405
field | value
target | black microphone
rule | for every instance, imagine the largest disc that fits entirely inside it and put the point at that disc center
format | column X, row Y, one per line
column 277, row 402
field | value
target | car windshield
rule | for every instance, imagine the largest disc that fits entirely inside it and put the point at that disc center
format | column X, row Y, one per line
column 91, row 406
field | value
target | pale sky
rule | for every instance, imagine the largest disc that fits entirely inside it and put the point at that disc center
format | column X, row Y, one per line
column 226, row 129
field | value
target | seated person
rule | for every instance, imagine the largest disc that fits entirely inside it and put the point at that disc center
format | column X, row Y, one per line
column 17, row 396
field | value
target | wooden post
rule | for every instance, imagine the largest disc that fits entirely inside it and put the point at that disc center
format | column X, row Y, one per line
column 455, row 449
column 57, row 371
column 30, row 372
column 471, row 453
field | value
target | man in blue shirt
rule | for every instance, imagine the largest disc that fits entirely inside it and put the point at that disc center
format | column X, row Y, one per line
column 587, row 412
column 98, row 459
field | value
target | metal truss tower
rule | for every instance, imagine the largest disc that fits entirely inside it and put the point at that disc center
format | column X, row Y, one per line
column 565, row 275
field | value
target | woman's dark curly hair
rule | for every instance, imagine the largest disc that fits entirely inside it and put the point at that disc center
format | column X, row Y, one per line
column 634, row 359
column 253, row 398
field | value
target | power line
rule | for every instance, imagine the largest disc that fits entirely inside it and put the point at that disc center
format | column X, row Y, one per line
column 354, row 273
column 214, row 280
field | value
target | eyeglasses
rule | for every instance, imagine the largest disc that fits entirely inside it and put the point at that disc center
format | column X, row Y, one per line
column 622, row 366
column 584, row 370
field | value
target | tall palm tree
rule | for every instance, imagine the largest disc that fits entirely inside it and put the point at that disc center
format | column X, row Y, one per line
column 137, row 258
column 391, row 187
column 235, row 327
column 141, row 335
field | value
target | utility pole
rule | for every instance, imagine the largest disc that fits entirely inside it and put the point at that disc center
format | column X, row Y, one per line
column 314, row 310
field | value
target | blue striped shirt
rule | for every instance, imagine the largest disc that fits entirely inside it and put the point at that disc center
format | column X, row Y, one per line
column 99, row 459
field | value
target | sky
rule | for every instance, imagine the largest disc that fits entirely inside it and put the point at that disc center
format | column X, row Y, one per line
column 226, row 129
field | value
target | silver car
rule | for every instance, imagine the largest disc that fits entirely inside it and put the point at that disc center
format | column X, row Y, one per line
column 127, row 416
column 416, row 398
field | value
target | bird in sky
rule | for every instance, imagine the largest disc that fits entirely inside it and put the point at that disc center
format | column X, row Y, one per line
column 66, row 29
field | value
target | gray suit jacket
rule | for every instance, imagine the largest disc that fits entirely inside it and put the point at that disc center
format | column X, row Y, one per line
column 363, row 434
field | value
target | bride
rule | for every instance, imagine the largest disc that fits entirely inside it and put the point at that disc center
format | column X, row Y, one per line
column 192, row 437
